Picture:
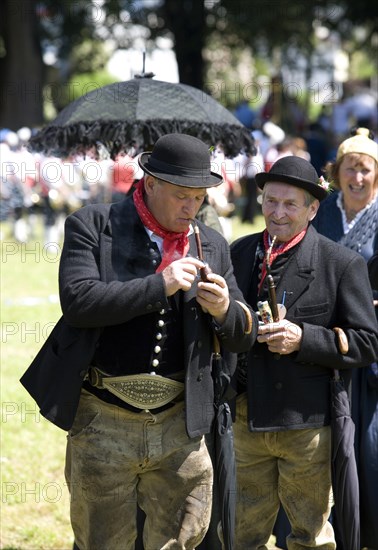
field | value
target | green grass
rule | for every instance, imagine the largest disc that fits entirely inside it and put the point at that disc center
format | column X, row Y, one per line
column 240, row 229
column 34, row 497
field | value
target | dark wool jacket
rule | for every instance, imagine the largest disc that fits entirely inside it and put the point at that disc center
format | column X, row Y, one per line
column 107, row 277
column 326, row 286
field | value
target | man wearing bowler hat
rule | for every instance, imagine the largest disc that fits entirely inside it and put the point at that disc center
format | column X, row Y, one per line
column 325, row 321
column 130, row 361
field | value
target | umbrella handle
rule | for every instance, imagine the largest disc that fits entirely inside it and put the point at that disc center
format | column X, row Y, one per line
column 342, row 340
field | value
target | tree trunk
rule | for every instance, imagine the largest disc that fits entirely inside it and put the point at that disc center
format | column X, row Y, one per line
column 187, row 23
column 21, row 66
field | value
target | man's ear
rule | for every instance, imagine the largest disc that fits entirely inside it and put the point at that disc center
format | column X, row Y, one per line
column 314, row 207
column 149, row 184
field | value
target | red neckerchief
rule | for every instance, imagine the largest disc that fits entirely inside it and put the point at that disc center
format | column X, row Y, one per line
column 175, row 245
column 277, row 250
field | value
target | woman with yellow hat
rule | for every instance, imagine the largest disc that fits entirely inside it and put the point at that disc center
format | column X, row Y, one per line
column 350, row 216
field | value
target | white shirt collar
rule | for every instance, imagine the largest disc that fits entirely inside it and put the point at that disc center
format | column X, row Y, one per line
column 159, row 240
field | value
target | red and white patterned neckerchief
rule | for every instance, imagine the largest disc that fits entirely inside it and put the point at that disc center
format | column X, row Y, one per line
column 175, row 245
column 277, row 250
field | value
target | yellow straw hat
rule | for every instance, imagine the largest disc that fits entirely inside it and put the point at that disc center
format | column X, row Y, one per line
column 360, row 143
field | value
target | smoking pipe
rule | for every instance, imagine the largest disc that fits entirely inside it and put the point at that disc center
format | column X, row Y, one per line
column 271, row 285
column 204, row 271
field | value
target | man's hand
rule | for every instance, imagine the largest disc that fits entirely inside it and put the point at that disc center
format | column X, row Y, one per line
column 181, row 274
column 213, row 297
column 283, row 337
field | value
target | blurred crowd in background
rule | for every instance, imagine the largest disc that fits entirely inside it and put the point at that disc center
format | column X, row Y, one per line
column 35, row 186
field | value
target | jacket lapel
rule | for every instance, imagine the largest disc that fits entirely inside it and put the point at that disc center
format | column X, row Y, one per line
column 125, row 248
column 245, row 268
column 300, row 272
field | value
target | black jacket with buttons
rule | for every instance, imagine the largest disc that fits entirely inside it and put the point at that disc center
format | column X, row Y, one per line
column 326, row 286
column 107, row 278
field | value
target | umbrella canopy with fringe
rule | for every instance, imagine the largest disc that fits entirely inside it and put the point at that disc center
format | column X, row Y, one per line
column 225, row 462
column 138, row 112
column 344, row 469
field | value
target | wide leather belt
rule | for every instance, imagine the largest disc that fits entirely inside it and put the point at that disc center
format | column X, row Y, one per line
column 143, row 391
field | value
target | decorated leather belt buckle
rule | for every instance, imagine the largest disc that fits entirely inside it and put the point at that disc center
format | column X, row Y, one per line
column 144, row 391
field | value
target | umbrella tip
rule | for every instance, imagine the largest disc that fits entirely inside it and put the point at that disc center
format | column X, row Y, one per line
column 143, row 74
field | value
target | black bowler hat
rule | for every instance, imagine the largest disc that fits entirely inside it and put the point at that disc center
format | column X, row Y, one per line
column 182, row 160
column 295, row 171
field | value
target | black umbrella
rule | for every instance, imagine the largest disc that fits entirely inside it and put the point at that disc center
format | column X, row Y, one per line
column 225, row 464
column 139, row 111
column 344, row 468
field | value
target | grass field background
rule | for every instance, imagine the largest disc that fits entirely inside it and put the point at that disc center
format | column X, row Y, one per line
column 34, row 496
